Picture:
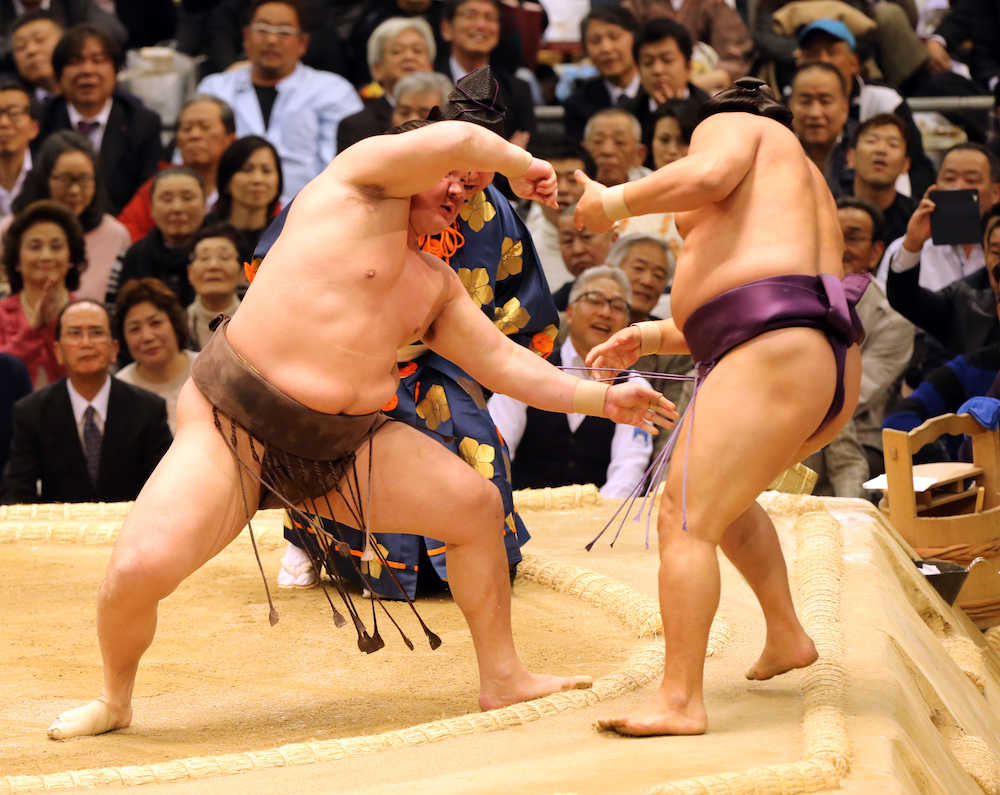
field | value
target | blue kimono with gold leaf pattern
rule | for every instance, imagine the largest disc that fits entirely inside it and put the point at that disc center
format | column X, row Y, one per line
column 499, row 267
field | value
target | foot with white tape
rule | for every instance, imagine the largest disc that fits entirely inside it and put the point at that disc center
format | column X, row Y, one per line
column 296, row 569
column 93, row 718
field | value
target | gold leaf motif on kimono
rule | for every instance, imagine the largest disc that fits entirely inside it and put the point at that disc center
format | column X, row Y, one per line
column 433, row 409
column 477, row 212
column 509, row 521
column 511, row 317
column 478, row 456
column 477, row 284
column 511, row 261
column 373, row 567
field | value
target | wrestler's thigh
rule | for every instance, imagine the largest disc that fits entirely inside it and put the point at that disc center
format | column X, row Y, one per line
column 852, row 389
column 419, row 486
column 191, row 506
column 751, row 415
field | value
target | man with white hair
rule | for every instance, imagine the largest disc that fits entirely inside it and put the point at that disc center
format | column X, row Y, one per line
column 399, row 46
column 645, row 260
column 552, row 449
column 415, row 95
column 614, row 139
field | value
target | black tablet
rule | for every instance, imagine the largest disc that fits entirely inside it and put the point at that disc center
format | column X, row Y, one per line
column 955, row 219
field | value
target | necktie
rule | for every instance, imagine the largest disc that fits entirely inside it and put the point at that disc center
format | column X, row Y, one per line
column 87, row 127
column 92, row 442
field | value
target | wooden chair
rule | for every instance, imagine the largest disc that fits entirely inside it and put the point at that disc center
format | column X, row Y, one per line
column 957, row 517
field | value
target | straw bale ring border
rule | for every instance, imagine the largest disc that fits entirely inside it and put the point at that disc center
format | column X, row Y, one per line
column 94, row 524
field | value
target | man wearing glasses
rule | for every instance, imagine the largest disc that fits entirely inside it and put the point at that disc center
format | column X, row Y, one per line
column 18, row 128
column 296, row 107
column 88, row 437
column 554, row 449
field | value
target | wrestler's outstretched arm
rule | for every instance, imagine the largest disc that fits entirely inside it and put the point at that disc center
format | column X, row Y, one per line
column 464, row 335
column 624, row 347
column 717, row 160
column 399, row 166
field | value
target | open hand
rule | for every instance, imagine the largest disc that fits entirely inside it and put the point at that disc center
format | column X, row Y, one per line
column 637, row 403
column 617, row 353
column 538, row 183
column 590, row 209
column 53, row 300
column 918, row 229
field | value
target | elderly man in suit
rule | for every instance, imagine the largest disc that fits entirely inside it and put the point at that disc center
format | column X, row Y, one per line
column 123, row 131
column 398, row 47
column 88, row 437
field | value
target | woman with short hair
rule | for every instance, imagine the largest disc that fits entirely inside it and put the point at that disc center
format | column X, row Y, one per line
column 45, row 245
column 150, row 324
column 178, row 207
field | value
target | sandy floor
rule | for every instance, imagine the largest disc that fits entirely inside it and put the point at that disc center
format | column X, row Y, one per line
column 218, row 679
column 218, row 676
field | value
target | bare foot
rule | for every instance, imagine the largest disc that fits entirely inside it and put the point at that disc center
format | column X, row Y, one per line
column 528, row 687
column 780, row 658
column 655, row 717
column 93, row 718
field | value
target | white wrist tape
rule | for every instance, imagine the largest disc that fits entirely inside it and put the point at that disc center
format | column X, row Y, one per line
column 613, row 200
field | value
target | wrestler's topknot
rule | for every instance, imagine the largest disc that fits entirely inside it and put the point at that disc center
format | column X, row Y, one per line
column 475, row 98
column 747, row 95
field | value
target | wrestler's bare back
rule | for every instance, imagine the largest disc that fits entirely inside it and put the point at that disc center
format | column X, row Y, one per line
column 341, row 289
column 780, row 218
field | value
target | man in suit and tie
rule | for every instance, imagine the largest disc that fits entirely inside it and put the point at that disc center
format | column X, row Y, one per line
column 607, row 34
column 472, row 30
column 88, row 437
column 123, row 131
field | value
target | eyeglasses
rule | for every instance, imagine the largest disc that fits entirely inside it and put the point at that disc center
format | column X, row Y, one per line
column 69, row 180
column 281, row 31
column 13, row 113
column 78, row 334
column 596, row 300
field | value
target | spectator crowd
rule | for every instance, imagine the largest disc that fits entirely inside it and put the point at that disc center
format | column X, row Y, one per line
column 126, row 227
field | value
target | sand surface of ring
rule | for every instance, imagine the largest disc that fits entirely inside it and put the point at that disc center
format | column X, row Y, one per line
column 218, row 680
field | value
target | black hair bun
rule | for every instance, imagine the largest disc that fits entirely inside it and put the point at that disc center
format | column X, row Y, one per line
column 749, row 83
